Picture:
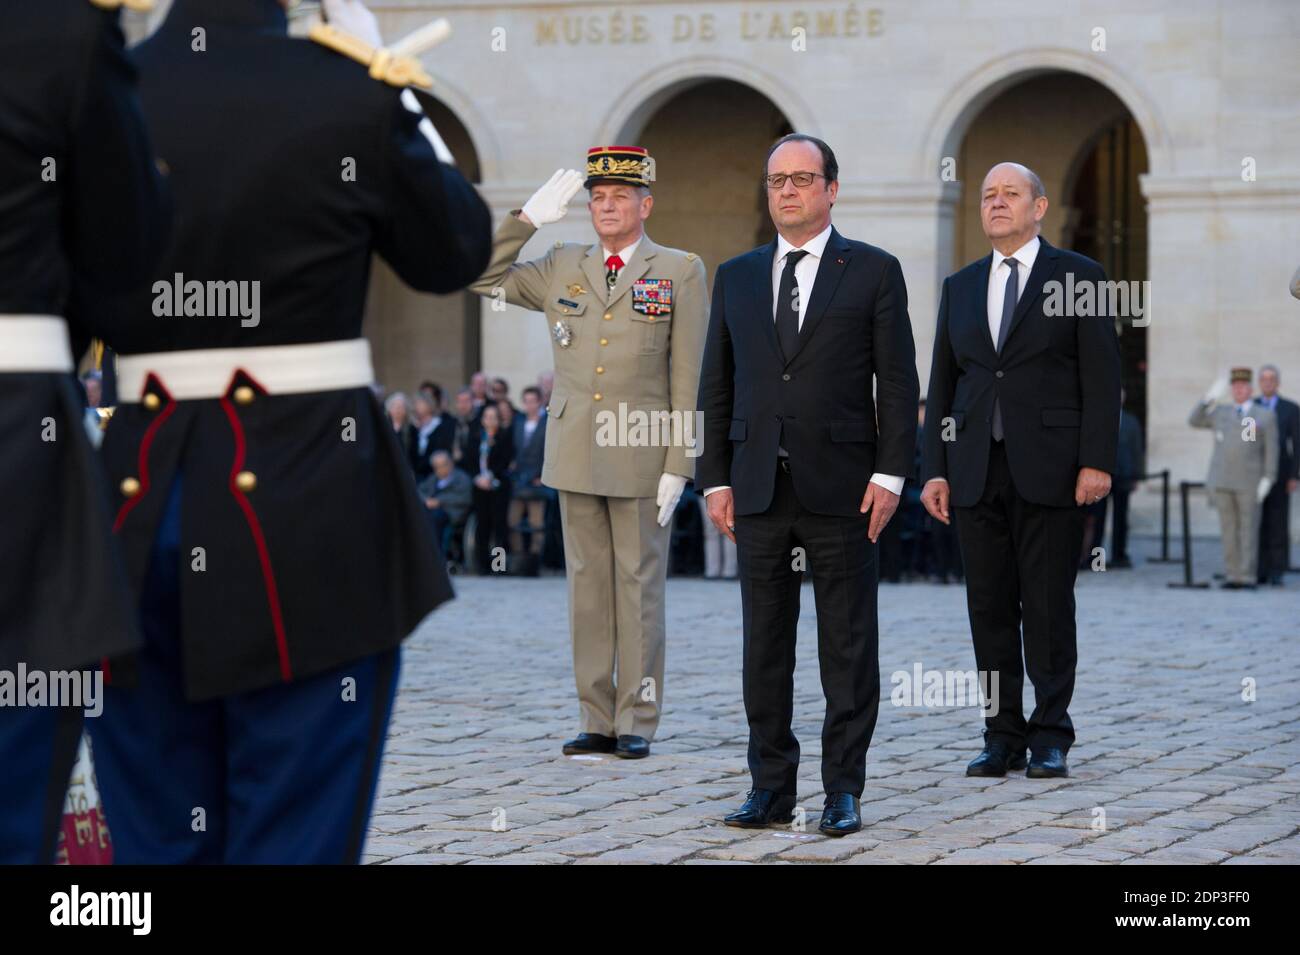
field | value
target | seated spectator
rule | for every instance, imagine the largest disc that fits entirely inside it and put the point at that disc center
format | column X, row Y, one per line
column 447, row 494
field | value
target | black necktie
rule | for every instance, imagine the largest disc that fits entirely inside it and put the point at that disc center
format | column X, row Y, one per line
column 1008, row 309
column 787, row 305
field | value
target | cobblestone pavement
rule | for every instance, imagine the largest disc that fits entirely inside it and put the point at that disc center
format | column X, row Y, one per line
column 1171, row 763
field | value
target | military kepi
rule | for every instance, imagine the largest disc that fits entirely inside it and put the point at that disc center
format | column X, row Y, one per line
column 1240, row 374
column 629, row 164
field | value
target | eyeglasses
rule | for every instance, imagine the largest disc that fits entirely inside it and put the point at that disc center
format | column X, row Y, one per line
column 801, row 179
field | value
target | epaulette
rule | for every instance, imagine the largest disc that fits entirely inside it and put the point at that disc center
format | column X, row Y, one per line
column 139, row 6
column 393, row 70
column 691, row 256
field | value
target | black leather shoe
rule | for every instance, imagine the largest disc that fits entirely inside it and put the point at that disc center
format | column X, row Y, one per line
column 632, row 747
column 589, row 743
column 841, row 815
column 1047, row 763
column 995, row 760
column 762, row 808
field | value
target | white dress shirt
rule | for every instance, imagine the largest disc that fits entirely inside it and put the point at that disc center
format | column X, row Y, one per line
column 1025, row 256
column 805, row 274
column 998, row 275
column 805, row 271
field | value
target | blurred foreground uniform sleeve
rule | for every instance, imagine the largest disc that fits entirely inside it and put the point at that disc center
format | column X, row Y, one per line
column 437, row 234
column 118, row 214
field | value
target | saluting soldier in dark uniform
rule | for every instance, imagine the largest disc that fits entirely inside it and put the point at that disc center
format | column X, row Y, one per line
column 80, row 200
column 268, row 517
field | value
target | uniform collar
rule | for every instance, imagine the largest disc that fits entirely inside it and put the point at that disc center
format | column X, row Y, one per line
column 265, row 15
column 625, row 253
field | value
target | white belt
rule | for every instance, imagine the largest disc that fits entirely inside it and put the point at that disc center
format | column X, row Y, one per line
column 34, row 343
column 280, row 369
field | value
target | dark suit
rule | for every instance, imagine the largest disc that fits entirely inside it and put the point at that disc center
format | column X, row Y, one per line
column 816, row 403
column 1275, row 519
column 1057, row 379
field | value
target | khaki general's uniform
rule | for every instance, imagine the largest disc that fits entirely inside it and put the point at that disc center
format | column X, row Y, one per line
column 635, row 347
column 1236, row 468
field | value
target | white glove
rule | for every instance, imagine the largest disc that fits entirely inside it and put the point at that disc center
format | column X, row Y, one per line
column 549, row 203
column 351, row 16
column 1218, row 391
column 670, row 492
column 1265, row 485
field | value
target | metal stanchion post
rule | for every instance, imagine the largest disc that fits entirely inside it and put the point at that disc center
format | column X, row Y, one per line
column 1184, row 493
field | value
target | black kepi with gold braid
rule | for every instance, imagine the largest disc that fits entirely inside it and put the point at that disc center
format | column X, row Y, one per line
column 630, row 164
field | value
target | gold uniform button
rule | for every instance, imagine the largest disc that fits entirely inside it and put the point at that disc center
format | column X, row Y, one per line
column 130, row 487
column 609, row 316
column 596, row 396
column 246, row 481
column 604, row 341
column 600, row 369
column 244, row 395
column 151, row 402
column 649, row 318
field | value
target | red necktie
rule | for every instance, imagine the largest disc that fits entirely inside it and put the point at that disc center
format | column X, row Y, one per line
column 612, row 265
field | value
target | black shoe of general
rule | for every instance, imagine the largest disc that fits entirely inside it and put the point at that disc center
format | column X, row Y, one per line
column 995, row 760
column 1047, row 763
column 589, row 743
column 632, row 747
column 841, row 815
column 762, row 808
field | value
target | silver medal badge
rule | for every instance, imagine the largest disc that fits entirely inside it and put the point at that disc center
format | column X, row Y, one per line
column 563, row 333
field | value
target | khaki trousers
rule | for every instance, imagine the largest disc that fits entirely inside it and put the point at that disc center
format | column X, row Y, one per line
column 617, row 559
column 1239, row 527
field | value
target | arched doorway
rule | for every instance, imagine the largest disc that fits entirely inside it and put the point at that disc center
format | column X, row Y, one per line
column 414, row 336
column 708, row 138
column 1084, row 143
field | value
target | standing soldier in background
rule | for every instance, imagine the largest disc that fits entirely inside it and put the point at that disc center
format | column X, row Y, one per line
column 80, row 201
column 268, row 516
column 627, row 319
column 1242, row 470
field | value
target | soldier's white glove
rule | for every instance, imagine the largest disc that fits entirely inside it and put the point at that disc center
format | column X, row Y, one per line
column 549, row 203
column 1218, row 391
column 1261, row 492
column 351, row 16
column 670, row 492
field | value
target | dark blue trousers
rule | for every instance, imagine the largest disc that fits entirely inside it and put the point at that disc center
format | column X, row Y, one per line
column 285, row 774
column 38, row 746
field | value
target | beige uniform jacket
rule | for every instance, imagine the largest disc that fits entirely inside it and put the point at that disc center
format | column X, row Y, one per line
column 635, row 348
